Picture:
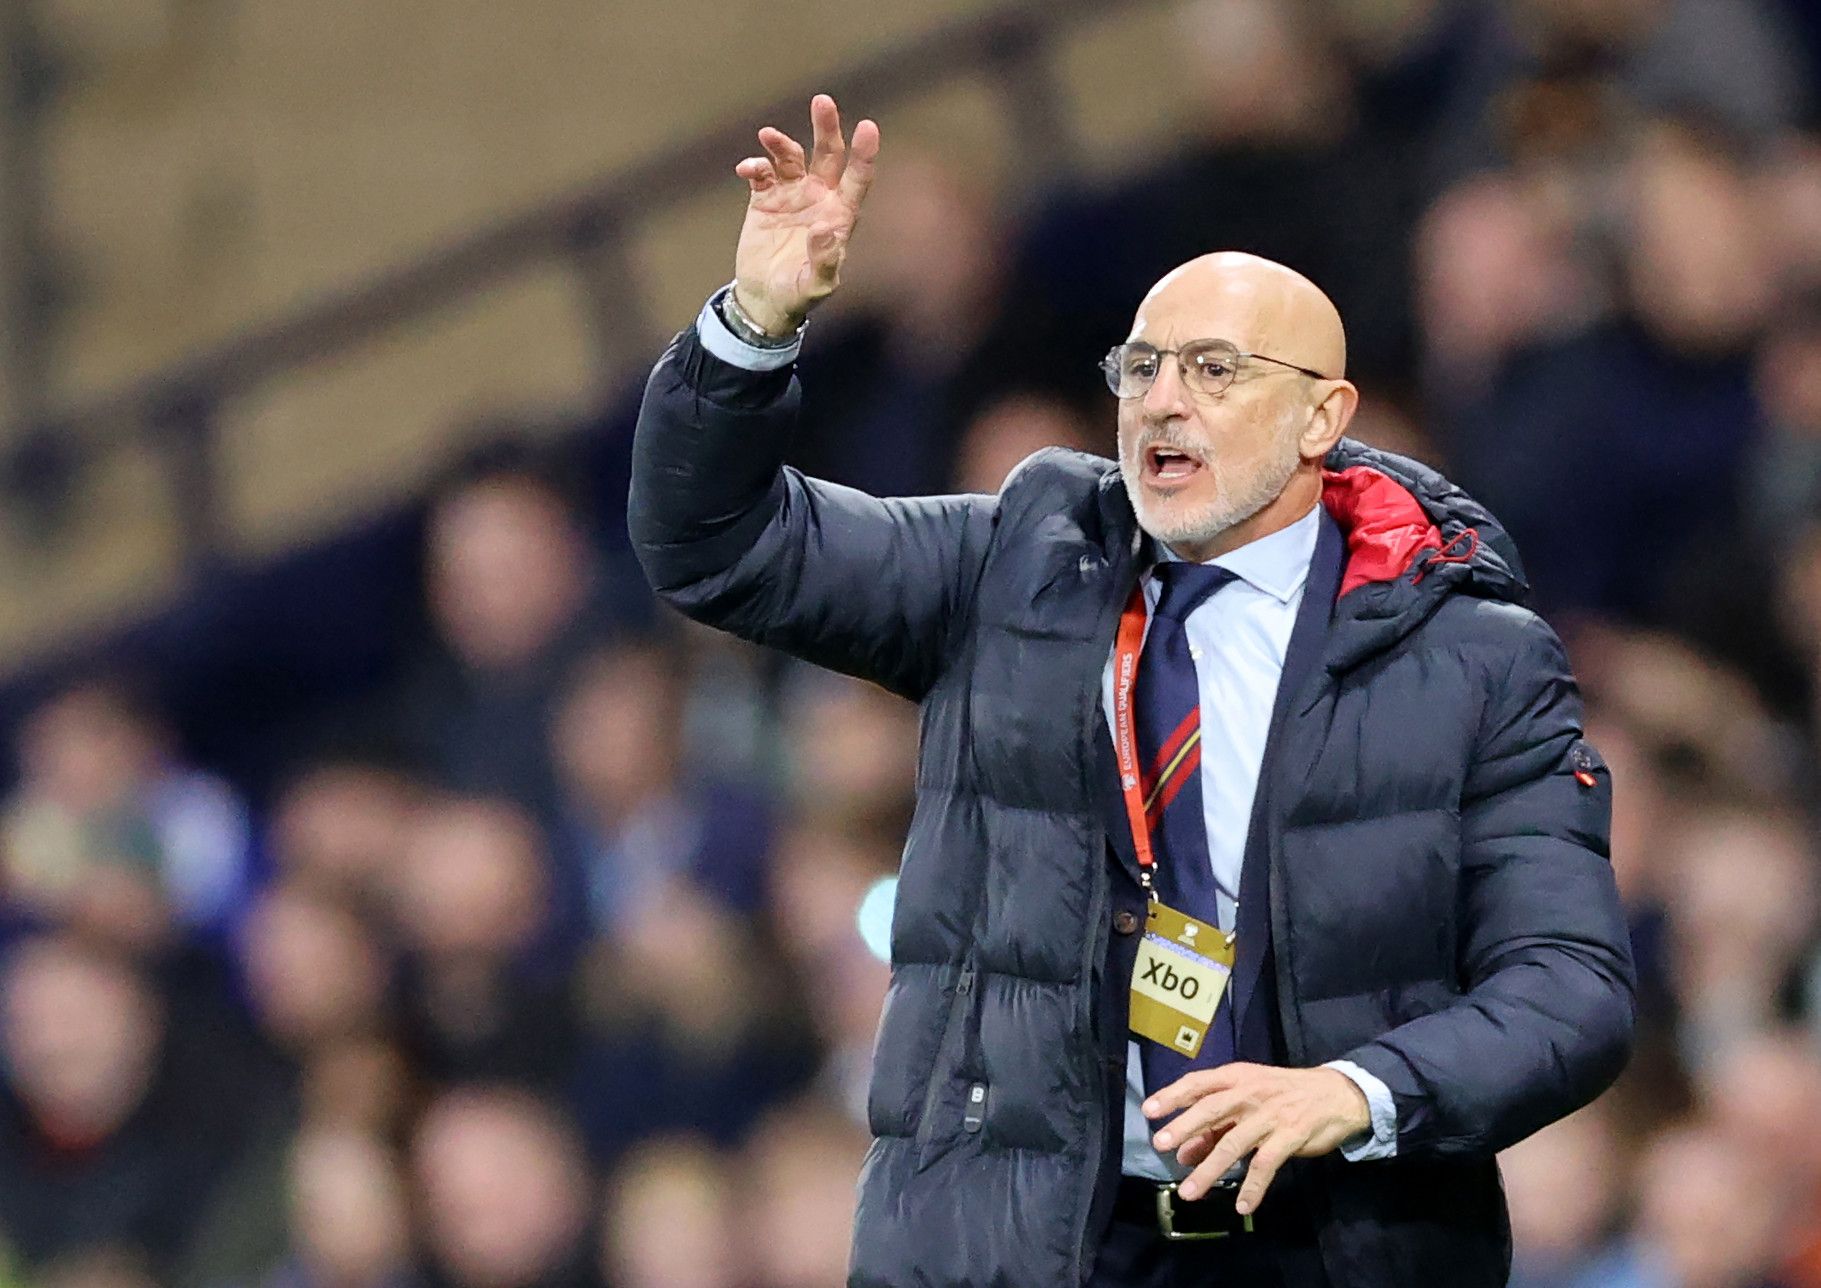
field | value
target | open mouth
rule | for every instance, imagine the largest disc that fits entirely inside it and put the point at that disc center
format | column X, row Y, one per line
column 1168, row 467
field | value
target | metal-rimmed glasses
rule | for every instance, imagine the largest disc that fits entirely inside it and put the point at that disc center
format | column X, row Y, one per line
column 1208, row 366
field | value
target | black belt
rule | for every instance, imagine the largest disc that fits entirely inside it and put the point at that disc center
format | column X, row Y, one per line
column 1157, row 1206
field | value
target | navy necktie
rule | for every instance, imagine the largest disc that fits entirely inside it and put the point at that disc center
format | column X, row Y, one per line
column 1167, row 704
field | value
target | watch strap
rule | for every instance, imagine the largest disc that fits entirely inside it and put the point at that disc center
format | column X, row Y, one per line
column 748, row 331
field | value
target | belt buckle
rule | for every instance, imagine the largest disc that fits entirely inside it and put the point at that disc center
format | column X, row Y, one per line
column 1166, row 1218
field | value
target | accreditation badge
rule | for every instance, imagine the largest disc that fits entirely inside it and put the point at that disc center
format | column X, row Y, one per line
column 1181, row 974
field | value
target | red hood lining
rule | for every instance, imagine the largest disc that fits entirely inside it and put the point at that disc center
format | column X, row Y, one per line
column 1385, row 525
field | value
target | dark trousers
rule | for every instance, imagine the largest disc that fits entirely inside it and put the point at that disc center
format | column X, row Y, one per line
column 1138, row 1256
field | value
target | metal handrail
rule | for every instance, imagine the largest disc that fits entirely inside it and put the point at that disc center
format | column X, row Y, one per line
column 177, row 408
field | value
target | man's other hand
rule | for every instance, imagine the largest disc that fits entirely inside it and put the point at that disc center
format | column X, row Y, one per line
column 1273, row 1114
column 799, row 215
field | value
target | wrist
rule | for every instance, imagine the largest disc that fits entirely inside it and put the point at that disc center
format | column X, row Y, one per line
column 757, row 324
column 1358, row 1114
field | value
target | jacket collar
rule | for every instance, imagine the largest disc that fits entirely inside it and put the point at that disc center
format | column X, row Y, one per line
column 1412, row 540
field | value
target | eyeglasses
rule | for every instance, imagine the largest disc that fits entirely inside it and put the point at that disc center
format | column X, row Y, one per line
column 1208, row 366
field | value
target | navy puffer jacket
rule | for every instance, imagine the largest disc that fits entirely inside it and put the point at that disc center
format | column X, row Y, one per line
column 1442, row 908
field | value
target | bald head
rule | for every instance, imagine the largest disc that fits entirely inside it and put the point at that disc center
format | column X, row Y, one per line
column 1261, row 306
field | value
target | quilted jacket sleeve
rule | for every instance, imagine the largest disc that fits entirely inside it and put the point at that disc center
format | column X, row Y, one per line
column 734, row 538
column 1545, row 1020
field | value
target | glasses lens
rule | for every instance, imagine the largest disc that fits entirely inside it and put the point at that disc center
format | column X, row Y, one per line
column 1210, row 365
column 1130, row 369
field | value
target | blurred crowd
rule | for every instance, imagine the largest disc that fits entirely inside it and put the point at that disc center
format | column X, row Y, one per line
column 552, row 955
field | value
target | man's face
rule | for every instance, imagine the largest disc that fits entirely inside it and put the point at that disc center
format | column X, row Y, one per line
column 1195, row 464
column 506, row 570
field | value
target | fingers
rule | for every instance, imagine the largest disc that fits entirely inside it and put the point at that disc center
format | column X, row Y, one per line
column 1241, row 1139
column 849, row 171
column 1191, row 1087
column 785, row 152
column 1217, row 1110
column 1191, row 1154
column 828, row 150
column 758, row 173
column 1273, row 1154
column 858, row 176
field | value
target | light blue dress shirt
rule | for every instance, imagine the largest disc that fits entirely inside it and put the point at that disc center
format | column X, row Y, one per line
column 1238, row 640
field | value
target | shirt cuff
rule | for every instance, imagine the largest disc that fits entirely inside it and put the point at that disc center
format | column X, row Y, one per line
column 731, row 349
column 1380, row 1141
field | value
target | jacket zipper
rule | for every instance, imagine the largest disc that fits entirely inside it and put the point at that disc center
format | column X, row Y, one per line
column 951, row 1032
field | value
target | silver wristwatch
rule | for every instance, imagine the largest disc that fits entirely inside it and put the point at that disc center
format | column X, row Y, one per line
column 745, row 329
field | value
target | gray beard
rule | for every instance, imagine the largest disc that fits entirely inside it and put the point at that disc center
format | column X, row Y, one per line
column 1230, row 506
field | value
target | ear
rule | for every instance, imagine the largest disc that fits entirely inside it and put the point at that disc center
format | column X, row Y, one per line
column 1329, row 420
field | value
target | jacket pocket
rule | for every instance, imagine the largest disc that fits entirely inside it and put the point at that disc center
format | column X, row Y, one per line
column 947, row 1085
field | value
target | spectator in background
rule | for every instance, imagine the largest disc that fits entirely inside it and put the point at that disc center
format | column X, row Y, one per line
column 515, row 596
column 503, row 1194
column 471, row 899
column 1012, row 428
column 636, row 821
column 730, row 722
column 1279, row 163
column 1732, row 62
column 102, row 1151
column 853, row 754
column 799, row 1179
column 1784, row 486
column 108, row 827
column 1497, row 272
column 671, row 1219
column 318, row 979
column 1691, row 711
column 690, row 1027
column 320, row 971
column 1614, row 455
column 1692, row 744
column 340, row 825
column 1564, row 1185
column 349, row 1220
column 1744, row 910
column 315, row 974
column 825, row 876
column 1710, row 1215
column 1765, row 1093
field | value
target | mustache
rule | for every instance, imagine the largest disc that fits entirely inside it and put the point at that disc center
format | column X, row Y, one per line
column 1171, row 437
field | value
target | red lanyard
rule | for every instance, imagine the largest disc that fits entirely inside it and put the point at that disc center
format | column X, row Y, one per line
column 1126, row 648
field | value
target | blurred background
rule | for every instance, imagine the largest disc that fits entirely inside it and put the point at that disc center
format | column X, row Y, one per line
column 394, row 896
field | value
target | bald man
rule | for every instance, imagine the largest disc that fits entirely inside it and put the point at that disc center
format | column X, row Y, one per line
column 1257, row 891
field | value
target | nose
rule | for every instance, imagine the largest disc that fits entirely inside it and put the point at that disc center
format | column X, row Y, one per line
column 1167, row 396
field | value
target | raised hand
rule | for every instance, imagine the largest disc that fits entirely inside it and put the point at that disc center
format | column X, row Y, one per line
column 799, row 216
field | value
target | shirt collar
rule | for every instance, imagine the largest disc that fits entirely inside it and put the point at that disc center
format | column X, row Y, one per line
column 1277, row 564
